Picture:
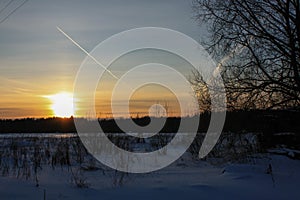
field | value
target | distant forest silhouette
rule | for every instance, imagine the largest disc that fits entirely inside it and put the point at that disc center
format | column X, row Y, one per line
column 260, row 121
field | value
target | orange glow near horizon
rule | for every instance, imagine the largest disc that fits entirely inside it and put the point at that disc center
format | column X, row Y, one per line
column 62, row 104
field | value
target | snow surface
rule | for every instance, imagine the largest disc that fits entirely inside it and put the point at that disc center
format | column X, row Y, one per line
column 184, row 179
column 273, row 175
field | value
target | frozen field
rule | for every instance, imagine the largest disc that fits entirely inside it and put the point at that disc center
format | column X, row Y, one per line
column 28, row 162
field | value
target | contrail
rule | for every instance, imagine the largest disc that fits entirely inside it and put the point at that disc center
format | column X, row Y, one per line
column 12, row 12
column 87, row 53
column 6, row 6
column 238, row 49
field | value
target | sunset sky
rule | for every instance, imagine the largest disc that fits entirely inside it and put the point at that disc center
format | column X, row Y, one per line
column 37, row 61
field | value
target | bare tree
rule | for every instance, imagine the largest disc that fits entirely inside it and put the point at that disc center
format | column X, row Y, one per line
column 258, row 45
column 201, row 90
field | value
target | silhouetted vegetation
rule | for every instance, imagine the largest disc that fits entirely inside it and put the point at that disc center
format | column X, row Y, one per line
column 256, row 44
column 271, row 121
column 267, row 123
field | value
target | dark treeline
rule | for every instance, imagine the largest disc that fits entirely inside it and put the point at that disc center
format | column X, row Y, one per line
column 260, row 121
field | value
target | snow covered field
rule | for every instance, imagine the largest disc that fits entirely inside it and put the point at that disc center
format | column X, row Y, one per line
column 263, row 176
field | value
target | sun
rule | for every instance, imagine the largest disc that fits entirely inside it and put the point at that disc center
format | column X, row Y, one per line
column 62, row 104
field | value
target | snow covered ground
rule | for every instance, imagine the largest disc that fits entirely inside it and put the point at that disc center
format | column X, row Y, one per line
column 263, row 176
column 185, row 179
